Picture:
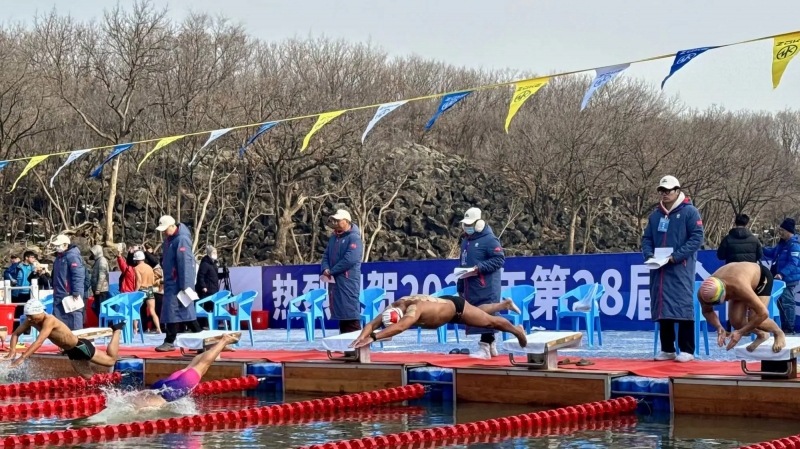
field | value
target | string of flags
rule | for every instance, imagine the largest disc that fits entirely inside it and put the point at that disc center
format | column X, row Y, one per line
column 785, row 48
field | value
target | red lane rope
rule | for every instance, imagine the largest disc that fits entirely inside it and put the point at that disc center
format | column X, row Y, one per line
column 792, row 442
column 95, row 403
column 62, row 385
column 603, row 409
column 273, row 414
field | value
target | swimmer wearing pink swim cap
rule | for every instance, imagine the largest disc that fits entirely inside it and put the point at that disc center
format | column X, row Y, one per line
column 746, row 287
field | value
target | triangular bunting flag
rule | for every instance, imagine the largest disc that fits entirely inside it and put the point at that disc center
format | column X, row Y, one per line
column 3, row 164
column 261, row 130
column 682, row 58
column 72, row 158
column 323, row 120
column 383, row 111
column 447, row 102
column 603, row 76
column 523, row 91
column 212, row 137
column 32, row 163
column 119, row 149
column 161, row 144
column 784, row 49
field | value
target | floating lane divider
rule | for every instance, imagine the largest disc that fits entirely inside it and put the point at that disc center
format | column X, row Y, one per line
column 792, row 442
column 62, row 385
column 212, row 421
column 95, row 403
column 594, row 410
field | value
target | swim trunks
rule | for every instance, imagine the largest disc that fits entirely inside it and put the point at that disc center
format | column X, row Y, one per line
column 764, row 287
column 83, row 351
column 458, row 301
column 148, row 293
column 178, row 385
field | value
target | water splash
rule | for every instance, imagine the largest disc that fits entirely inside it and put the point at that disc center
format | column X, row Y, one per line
column 121, row 408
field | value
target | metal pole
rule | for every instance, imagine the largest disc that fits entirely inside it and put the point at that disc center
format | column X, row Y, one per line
column 6, row 291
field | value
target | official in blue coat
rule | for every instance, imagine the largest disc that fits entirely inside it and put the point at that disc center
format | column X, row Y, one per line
column 675, row 224
column 178, row 266
column 68, row 282
column 481, row 250
column 785, row 257
column 342, row 262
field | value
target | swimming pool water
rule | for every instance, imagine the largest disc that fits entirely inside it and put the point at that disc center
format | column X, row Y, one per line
column 647, row 431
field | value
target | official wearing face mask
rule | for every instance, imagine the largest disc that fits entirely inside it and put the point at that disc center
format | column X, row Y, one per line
column 480, row 250
column 69, row 276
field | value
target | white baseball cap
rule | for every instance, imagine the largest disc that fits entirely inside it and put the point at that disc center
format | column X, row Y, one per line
column 138, row 255
column 61, row 239
column 164, row 222
column 669, row 183
column 472, row 215
column 33, row 307
column 342, row 214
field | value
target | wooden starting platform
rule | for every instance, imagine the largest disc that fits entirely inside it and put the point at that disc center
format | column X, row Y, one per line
column 351, row 372
column 538, row 380
column 156, row 369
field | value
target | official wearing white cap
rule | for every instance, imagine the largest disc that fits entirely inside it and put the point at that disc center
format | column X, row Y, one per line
column 341, row 263
column 481, row 251
column 69, row 275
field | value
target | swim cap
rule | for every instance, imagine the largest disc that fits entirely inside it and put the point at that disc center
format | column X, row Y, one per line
column 711, row 291
column 33, row 307
column 391, row 315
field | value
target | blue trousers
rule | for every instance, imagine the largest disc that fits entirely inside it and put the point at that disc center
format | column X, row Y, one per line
column 787, row 308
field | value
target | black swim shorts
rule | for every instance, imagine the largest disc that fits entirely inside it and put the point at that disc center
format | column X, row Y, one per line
column 83, row 351
column 764, row 287
column 458, row 301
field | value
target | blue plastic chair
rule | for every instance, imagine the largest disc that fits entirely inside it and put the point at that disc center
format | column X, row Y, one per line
column 244, row 312
column 591, row 316
column 200, row 312
column 114, row 310
column 522, row 295
column 700, row 326
column 135, row 301
column 113, row 290
column 313, row 311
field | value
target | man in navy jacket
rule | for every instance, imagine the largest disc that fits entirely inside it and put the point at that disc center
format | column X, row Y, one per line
column 675, row 224
column 69, row 276
column 786, row 267
column 481, row 249
column 342, row 263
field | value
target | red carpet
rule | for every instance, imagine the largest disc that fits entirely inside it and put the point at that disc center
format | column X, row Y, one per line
column 644, row 368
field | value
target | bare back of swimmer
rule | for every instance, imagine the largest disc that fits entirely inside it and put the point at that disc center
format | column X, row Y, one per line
column 429, row 312
column 747, row 287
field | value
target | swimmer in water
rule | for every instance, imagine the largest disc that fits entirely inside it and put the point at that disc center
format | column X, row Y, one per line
column 747, row 287
column 81, row 352
column 429, row 312
column 181, row 383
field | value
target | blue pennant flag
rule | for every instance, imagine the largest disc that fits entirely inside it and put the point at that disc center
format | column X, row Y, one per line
column 119, row 149
column 682, row 58
column 3, row 164
column 447, row 102
column 261, row 130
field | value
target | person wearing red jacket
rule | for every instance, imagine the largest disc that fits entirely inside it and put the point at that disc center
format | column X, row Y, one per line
column 127, row 278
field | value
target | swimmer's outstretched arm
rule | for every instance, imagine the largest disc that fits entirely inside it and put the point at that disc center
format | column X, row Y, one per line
column 712, row 318
column 12, row 345
column 47, row 328
column 399, row 327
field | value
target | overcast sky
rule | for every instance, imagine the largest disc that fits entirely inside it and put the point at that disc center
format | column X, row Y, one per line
column 541, row 35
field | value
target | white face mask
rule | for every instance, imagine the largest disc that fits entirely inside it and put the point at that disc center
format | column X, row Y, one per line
column 61, row 249
column 213, row 257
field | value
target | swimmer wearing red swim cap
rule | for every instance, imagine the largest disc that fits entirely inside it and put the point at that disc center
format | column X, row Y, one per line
column 745, row 286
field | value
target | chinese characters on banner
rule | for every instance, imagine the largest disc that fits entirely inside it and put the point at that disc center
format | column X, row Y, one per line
column 625, row 305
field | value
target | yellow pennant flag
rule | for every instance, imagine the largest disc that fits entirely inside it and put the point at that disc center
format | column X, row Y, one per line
column 523, row 91
column 32, row 163
column 785, row 48
column 161, row 144
column 323, row 120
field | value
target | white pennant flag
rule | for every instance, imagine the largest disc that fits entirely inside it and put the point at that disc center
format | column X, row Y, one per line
column 383, row 111
column 72, row 157
column 603, row 76
column 212, row 137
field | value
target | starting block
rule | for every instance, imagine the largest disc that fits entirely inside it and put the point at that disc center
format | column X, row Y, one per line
column 341, row 343
column 201, row 341
column 542, row 348
column 93, row 333
column 774, row 365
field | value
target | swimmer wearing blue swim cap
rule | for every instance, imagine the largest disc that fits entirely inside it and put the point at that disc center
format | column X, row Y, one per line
column 746, row 287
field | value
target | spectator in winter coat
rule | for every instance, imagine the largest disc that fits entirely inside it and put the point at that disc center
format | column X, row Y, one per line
column 342, row 263
column 68, row 283
column 740, row 245
column 179, row 278
column 675, row 224
column 150, row 257
column 42, row 275
column 11, row 274
column 24, row 271
column 786, row 267
column 127, row 277
column 99, row 278
column 481, row 250
column 207, row 280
